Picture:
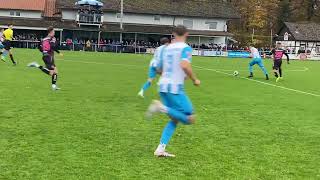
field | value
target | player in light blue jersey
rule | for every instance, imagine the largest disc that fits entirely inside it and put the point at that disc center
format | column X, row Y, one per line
column 256, row 60
column 153, row 66
column 1, row 40
column 175, row 65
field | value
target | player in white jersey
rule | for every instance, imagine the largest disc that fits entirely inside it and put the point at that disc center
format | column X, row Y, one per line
column 175, row 65
column 153, row 66
column 256, row 60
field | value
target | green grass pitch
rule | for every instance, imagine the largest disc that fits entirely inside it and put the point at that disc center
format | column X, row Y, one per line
column 94, row 128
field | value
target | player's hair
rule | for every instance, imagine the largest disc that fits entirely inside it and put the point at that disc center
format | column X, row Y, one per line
column 180, row 30
column 10, row 24
column 50, row 29
column 164, row 40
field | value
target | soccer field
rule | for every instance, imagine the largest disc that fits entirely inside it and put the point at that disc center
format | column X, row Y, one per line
column 94, row 128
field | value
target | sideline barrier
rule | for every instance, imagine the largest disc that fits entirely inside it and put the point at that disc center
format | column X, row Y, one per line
column 238, row 54
column 136, row 49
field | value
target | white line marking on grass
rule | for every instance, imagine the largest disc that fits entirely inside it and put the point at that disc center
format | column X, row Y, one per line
column 293, row 70
column 203, row 68
column 261, row 82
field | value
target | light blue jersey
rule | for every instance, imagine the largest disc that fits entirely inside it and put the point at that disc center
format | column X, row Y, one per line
column 173, row 76
column 255, row 53
column 155, row 61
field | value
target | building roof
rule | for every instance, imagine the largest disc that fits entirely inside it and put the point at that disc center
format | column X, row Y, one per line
column 191, row 8
column 50, row 8
column 307, row 31
column 35, row 5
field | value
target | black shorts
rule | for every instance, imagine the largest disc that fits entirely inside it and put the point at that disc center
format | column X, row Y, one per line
column 7, row 45
column 49, row 62
column 277, row 64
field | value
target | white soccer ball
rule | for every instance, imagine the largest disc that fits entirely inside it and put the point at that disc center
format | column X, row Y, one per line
column 236, row 73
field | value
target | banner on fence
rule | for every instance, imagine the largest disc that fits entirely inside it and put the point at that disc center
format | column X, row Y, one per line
column 209, row 53
column 238, row 54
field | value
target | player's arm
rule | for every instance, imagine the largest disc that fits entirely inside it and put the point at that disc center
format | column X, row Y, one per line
column 159, row 67
column 55, row 47
column 185, row 64
column 273, row 52
column 286, row 54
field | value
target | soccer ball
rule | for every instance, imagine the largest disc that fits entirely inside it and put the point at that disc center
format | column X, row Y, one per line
column 235, row 73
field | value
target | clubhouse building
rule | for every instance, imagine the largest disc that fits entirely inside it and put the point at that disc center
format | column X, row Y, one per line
column 141, row 20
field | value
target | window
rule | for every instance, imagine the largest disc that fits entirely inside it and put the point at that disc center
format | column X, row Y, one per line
column 11, row 13
column 157, row 17
column 18, row 13
column 212, row 25
column 188, row 23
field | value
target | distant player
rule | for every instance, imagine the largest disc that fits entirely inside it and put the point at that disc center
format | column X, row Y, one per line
column 1, row 40
column 256, row 60
column 48, row 47
column 278, row 53
column 153, row 66
column 175, row 64
column 7, row 43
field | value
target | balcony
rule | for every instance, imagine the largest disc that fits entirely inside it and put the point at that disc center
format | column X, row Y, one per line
column 89, row 19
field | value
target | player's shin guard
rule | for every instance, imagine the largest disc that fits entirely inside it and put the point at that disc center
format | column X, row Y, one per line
column 167, row 133
column 146, row 85
column 54, row 78
column 45, row 70
column 12, row 59
column 280, row 72
column 177, row 115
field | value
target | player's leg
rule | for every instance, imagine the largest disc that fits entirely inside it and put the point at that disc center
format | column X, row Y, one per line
column 11, row 56
column 46, row 60
column 145, row 87
column 262, row 67
column 251, row 64
column 1, row 49
column 180, row 108
column 152, row 75
column 167, row 133
column 280, row 69
column 276, row 68
column 5, row 51
column 176, row 103
column 54, row 78
column 49, row 69
column 54, row 74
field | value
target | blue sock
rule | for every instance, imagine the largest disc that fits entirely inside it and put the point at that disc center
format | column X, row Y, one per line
column 250, row 68
column 264, row 70
column 177, row 115
column 146, row 85
column 168, row 132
